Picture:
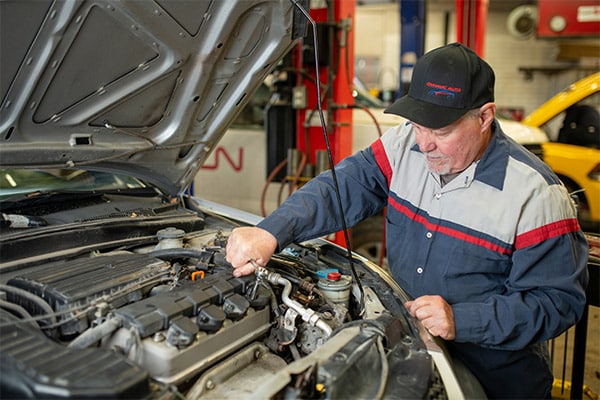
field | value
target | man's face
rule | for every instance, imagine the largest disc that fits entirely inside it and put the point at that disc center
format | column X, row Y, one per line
column 453, row 148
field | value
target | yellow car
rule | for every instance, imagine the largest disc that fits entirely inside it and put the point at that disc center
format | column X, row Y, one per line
column 572, row 120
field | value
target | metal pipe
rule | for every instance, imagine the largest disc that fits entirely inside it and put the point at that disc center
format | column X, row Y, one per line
column 307, row 315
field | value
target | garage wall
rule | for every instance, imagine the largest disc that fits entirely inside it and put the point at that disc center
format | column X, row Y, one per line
column 239, row 159
column 377, row 34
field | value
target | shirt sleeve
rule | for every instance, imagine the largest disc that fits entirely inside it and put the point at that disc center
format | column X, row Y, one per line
column 544, row 295
column 314, row 210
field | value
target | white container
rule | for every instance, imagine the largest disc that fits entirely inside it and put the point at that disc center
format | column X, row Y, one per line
column 336, row 289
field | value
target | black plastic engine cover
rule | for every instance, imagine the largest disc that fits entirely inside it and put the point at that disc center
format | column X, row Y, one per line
column 125, row 277
column 33, row 366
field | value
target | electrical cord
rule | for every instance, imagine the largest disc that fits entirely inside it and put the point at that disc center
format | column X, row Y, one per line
column 330, row 156
column 270, row 178
column 293, row 183
column 322, row 89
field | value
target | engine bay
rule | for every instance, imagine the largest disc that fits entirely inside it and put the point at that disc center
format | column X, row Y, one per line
column 167, row 319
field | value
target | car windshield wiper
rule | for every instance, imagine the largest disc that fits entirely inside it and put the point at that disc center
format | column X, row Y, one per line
column 146, row 191
column 14, row 209
column 60, row 195
column 41, row 197
column 55, row 196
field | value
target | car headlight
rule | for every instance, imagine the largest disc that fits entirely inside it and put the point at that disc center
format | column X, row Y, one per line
column 595, row 173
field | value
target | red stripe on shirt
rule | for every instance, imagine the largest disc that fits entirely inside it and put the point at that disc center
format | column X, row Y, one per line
column 549, row 231
column 382, row 160
column 448, row 231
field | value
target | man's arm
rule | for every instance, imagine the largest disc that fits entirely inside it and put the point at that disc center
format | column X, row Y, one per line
column 312, row 212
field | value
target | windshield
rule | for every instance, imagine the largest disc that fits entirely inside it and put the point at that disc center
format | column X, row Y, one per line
column 23, row 181
column 579, row 124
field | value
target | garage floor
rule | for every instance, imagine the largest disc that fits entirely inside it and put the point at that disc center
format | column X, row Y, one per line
column 591, row 378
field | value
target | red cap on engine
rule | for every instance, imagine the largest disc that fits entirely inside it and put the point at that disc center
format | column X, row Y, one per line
column 334, row 276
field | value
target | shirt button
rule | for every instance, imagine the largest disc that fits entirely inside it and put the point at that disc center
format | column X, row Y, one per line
column 429, row 235
column 438, row 195
column 419, row 270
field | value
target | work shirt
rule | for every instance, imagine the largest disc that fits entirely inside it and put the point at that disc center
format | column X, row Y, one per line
column 500, row 242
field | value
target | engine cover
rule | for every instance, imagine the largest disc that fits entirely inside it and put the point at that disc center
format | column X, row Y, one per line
column 74, row 285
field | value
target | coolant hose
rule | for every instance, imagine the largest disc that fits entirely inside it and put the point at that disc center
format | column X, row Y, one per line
column 15, row 308
column 43, row 304
column 93, row 335
column 177, row 253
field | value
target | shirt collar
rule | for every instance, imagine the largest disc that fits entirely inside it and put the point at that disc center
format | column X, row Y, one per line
column 491, row 168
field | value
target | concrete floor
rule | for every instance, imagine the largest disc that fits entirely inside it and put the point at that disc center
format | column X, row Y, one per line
column 591, row 380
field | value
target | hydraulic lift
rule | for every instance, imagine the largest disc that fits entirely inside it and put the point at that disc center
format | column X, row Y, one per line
column 306, row 149
column 471, row 21
column 335, row 40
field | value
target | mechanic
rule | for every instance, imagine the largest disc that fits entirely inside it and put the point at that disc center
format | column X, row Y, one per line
column 480, row 232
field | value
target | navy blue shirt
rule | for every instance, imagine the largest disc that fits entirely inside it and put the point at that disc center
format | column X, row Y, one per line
column 500, row 242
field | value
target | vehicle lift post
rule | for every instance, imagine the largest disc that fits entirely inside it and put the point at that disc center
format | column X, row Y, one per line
column 336, row 70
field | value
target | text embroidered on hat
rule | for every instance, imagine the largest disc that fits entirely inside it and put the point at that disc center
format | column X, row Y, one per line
column 443, row 90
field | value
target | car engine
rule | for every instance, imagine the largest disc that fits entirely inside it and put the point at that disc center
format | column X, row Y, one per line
column 169, row 320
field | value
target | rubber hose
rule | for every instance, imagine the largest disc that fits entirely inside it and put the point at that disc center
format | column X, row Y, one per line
column 93, row 335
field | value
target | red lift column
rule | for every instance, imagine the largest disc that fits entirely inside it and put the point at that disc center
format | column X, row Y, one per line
column 471, row 21
column 338, row 40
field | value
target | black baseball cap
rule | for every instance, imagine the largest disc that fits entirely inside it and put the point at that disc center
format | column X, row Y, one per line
column 446, row 83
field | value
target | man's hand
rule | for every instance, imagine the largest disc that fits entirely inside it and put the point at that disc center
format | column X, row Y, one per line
column 249, row 247
column 435, row 314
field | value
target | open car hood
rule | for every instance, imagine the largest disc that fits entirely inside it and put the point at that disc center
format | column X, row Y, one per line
column 138, row 87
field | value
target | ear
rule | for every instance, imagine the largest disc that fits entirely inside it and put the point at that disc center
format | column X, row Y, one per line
column 487, row 113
